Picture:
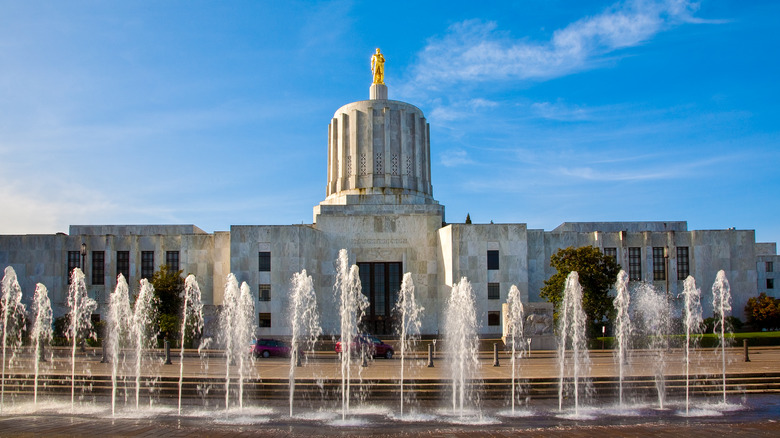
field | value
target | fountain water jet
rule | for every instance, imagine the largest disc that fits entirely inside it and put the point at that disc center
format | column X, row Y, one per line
column 652, row 314
column 721, row 304
column 191, row 321
column 409, row 325
column 236, row 333
column 305, row 322
column 81, row 308
column 571, row 331
column 692, row 320
column 622, row 326
column 41, row 332
column 462, row 345
column 119, row 313
column 13, row 321
column 513, row 331
column 352, row 307
column 141, row 330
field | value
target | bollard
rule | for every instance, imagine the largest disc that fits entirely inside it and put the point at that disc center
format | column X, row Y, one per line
column 104, row 359
column 297, row 358
column 745, row 344
column 430, row 356
column 42, row 355
column 363, row 353
column 495, row 355
column 168, row 353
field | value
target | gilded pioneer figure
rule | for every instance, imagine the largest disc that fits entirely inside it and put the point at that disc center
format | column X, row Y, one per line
column 378, row 67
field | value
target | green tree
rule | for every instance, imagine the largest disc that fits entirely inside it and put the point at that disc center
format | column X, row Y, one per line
column 597, row 273
column 168, row 291
column 763, row 312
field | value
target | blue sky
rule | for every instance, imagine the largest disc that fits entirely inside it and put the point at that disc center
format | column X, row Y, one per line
column 541, row 111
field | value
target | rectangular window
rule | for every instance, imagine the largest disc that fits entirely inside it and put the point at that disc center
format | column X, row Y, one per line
column 264, row 320
column 659, row 263
column 635, row 264
column 264, row 292
column 683, row 268
column 147, row 264
column 74, row 261
column 172, row 260
column 770, row 283
column 98, row 267
column 264, row 260
column 494, row 291
column 611, row 252
column 770, row 267
column 380, row 283
column 492, row 259
column 494, row 318
column 123, row 264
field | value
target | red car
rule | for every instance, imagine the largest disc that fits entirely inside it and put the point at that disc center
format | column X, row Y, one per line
column 270, row 347
column 372, row 344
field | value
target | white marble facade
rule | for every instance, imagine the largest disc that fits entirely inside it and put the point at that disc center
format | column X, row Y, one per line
column 379, row 205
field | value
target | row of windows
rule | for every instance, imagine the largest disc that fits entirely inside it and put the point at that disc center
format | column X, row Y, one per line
column 98, row 264
column 660, row 259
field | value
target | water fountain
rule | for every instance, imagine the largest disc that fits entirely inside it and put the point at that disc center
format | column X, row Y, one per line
column 623, row 327
column 118, row 331
column 352, row 307
column 462, row 346
column 571, row 332
column 142, row 330
column 13, row 321
column 409, row 325
column 721, row 304
column 652, row 317
column 304, row 321
column 236, row 324
column 513, row 333
column 191, row 321
column 41, row 332
column 692, row 321
column 80, row 324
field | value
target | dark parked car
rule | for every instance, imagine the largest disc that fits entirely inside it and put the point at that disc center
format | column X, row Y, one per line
column 372, row 344
column 270, row 347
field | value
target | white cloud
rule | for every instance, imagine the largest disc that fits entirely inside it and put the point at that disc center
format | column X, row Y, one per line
column 455, row 157
column 475, row 50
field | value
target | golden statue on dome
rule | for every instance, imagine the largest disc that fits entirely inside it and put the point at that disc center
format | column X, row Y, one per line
column 378, row 67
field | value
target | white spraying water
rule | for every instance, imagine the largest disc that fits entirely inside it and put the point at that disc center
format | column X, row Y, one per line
column 13, row 321
column 352, row 307
column 142, row 331
column 462, row 346
column 191, row 321
column 652, row 314
column 410, row 313
column 721, row 304
column 692, row 320
column 236, row 334
column 571, row 332
column 513, row 332
column 118, row 329
column 305, row 322
column 81, row 308
column 41, row 332
column 623, row 327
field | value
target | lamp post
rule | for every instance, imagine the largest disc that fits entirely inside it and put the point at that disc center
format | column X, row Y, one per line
column 84, row 259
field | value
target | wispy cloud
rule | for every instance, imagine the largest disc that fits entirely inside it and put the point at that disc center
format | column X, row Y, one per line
column 476, row 50
column 455, row 157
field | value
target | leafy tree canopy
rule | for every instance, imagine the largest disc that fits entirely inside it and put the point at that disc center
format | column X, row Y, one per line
column 763, row 312
column 597, row 273
column 168, row 290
